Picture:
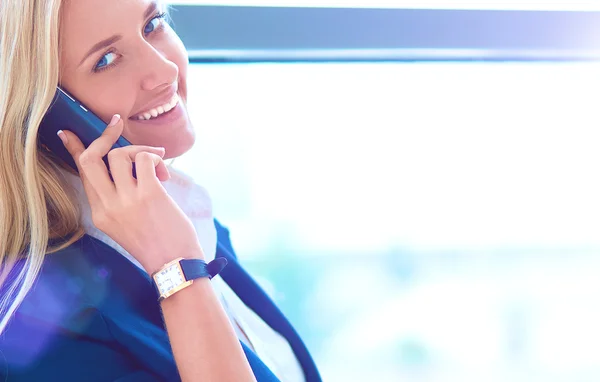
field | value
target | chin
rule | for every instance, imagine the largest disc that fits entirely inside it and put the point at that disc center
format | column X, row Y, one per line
column 182, row 146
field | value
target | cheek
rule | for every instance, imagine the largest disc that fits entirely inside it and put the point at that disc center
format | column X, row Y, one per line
column 178, row 54
column 105, row 101
column 116, row 99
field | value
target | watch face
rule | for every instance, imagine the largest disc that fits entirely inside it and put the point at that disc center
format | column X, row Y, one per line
column 169, row 278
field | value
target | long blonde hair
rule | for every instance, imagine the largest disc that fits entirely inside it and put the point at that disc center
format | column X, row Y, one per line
column 36, row 204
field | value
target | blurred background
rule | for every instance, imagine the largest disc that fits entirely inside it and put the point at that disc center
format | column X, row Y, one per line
column 415, row 183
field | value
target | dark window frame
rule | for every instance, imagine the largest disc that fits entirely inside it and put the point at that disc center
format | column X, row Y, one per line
column 279, row 34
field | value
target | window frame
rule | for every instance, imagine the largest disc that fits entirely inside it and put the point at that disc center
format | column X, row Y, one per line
column 223, row 34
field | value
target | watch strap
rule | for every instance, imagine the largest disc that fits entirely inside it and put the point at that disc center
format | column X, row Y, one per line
column 197, row 268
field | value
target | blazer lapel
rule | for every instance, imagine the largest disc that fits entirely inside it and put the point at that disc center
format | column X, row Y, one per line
column 256, row 299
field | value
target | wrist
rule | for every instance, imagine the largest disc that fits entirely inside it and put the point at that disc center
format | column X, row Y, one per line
column 181, row 273
column 155, row 262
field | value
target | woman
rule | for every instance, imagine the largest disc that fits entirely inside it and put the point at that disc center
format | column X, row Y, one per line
column 83, row 253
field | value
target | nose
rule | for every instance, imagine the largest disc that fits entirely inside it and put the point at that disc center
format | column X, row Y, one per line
column 156, row 68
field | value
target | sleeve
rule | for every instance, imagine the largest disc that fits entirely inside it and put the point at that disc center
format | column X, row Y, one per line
column 150, row 346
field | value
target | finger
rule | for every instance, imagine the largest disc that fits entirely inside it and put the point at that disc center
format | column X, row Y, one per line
column 90, row 161
column 121, row 162
column 150, row 169
column 76, row 148
column 162, row 171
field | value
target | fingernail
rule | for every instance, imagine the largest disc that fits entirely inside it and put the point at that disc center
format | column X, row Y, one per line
column 114, row 120
column 63, row 137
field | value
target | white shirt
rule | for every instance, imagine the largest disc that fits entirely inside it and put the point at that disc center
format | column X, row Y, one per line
column 270, row 346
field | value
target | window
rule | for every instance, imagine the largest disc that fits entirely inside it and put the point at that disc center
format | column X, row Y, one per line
column 276, row 34
column 426, row 219
column 419, row 217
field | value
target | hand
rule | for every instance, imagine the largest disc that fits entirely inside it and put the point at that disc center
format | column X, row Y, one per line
column 136, row 213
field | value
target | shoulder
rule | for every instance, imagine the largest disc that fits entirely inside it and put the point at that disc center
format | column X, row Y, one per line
column 70, row 280
column 64, row 322
column 88, row 275
column 56, row 311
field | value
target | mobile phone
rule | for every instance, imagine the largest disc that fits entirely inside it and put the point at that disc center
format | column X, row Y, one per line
column 67, row 113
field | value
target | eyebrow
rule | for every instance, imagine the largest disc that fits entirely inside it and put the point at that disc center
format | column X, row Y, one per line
column 111, row 40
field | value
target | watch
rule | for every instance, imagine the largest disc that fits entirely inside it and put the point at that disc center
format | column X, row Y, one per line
column 181, row 273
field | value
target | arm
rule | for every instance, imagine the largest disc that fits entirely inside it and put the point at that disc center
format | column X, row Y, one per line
column 139, row 214
column 204, row 344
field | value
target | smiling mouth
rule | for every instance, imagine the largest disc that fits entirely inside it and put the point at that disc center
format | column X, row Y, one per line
column 157, row 111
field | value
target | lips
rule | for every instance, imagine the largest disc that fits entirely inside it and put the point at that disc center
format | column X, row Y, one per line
column 167, row 120
column 157, row 110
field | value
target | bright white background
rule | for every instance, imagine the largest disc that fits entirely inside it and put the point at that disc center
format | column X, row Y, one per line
column 420, row 222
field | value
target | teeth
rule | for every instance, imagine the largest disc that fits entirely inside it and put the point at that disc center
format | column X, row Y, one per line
column 153, row 113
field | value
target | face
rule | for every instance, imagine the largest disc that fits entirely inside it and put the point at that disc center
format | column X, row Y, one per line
column 121, row 57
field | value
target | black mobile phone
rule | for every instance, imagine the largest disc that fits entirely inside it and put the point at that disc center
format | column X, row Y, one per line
column 66, row 113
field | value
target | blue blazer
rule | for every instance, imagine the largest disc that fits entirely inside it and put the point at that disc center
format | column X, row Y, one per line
column 92, row 315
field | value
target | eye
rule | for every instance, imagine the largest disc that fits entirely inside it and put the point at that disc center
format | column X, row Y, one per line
column 107, row 60
column 155, row 23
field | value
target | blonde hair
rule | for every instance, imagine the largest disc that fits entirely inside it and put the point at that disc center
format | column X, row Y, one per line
column 36, row 204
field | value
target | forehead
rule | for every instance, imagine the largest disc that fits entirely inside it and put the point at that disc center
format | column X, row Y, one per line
column 86, row 22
